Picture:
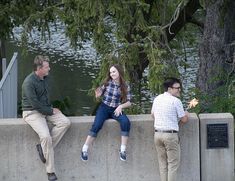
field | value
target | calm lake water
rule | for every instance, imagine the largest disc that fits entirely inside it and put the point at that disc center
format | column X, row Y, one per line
column 72, row 71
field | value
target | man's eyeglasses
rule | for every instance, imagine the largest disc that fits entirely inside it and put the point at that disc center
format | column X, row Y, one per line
column 176, row 88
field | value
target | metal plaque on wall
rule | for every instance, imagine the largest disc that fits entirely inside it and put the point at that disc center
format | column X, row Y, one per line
column 217, row 136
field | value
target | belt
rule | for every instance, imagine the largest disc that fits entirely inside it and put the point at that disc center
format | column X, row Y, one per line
column 166, row 131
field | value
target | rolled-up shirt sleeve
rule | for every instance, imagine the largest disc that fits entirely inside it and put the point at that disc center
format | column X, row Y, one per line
column 179, row 109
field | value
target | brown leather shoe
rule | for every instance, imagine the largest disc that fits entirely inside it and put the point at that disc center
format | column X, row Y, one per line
column 51, row 176
column 40, row 152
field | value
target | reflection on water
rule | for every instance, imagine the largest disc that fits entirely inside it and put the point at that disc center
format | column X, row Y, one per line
column 58, row 44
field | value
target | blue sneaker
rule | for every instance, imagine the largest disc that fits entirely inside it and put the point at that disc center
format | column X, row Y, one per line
column 122, row 155
column 84, row 156
column 51, row 176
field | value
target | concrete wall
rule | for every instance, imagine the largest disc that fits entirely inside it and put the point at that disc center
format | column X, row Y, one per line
column 217, row 163
column 20, row 162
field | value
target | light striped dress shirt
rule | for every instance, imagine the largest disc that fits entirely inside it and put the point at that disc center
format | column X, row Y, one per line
column 167, row 110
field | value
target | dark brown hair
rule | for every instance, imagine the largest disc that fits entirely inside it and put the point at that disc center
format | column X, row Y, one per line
column 123, row 85
column 169, row 82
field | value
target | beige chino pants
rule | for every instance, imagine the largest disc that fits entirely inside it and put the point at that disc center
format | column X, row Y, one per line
column 48, row 140
column 168, row 150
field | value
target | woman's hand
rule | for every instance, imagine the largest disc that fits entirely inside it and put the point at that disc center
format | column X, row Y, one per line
column 118, row 111
column 98, row 92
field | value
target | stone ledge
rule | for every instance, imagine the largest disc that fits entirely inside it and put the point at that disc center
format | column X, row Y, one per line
column 20, row 161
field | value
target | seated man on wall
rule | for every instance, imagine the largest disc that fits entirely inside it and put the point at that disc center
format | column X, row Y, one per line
column 37, row 110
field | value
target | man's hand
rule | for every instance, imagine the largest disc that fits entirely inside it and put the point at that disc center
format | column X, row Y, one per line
column 56, row 111
column 184, row 119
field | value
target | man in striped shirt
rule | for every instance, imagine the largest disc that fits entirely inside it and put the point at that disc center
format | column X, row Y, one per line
column 167, row 111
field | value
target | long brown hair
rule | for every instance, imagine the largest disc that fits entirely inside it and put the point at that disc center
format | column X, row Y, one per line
column 123, row 85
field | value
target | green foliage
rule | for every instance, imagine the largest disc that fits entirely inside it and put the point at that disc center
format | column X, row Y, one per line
column 27, row 13
column 63, row 105
column 222, row 100
column 134, row 109
column 109, row 60
column 124, row 29
column 161, row 65
column 203, row 3
column 231, row 89
column 5, row 21
column 128, row 32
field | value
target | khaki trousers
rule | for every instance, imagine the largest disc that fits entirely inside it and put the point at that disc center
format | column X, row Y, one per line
column 48, row 140
column 168, row 150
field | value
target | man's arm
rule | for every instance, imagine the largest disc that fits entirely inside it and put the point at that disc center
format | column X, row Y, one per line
column 153, row 108
column 152, row 115
column 184, row 119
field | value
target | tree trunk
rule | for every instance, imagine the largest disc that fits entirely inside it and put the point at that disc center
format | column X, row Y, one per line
column 216, row 51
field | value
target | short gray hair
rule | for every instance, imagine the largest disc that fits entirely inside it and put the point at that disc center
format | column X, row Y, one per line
column 38, row 61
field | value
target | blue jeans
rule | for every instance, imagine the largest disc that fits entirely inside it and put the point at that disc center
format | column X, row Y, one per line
column 105, row 112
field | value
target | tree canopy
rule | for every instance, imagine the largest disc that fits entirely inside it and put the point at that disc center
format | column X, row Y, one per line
column 134, row 33
column 139, row 34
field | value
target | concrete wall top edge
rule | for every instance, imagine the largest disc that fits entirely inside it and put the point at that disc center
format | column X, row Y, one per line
column 80, row 119
column 85, row 119
column 12, row 121
column 193, row 116
column 139, row 117
column 215, row 116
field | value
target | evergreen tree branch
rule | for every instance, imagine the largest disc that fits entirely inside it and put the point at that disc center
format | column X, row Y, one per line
column 185, row 15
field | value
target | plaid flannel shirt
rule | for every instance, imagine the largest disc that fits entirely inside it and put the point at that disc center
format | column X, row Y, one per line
column 112, row 94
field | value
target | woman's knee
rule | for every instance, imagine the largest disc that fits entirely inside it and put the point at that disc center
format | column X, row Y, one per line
column 95, row 129
column 125, row 128
column 125, row 122
column 98, row 124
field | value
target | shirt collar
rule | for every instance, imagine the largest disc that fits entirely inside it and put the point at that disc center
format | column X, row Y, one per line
column 115, row 83
column 37, row 77
column 167, row 93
